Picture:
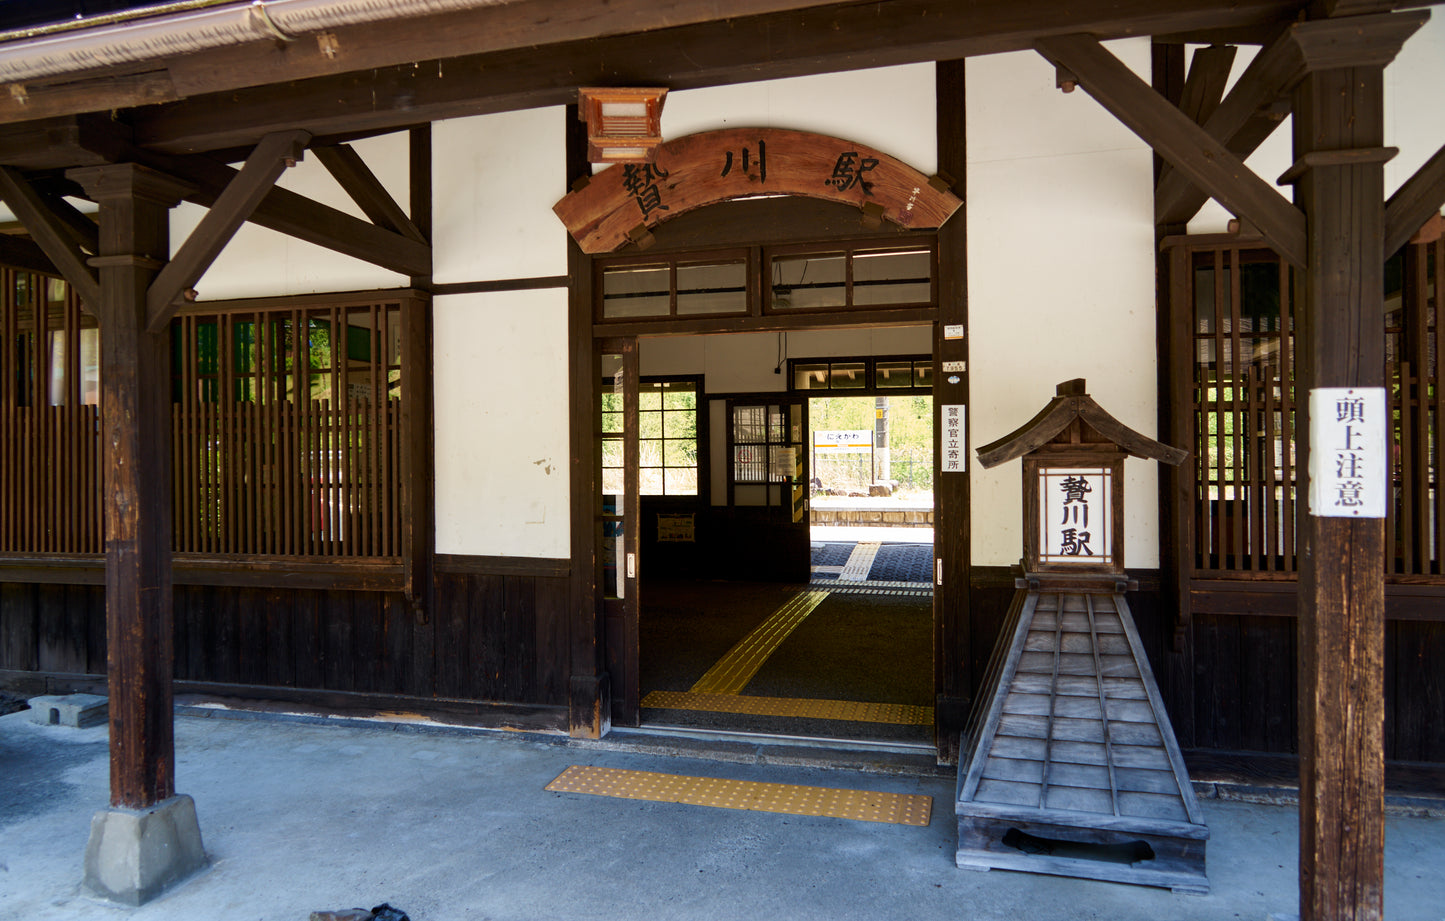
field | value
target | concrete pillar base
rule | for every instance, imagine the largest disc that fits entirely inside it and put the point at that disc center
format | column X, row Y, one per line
column 136, row 854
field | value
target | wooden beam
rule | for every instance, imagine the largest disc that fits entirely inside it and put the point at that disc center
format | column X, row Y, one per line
column 750, row 40
column 1414, row 202
column 347, row 167
column 298, row 216
column 20, row 253
column 840, row 37
column 1241, row 122
column 1204, row 87
column 232, row 208
column 1192, row 151
column 51, row 234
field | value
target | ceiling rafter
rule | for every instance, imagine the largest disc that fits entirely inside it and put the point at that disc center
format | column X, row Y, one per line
column 1421, row 196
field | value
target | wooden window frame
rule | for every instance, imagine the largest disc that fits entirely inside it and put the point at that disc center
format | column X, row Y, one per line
column 849, row 250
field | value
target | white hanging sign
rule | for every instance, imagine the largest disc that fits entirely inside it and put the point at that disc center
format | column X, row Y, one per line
column 1349, row 464
column 1075, row 505
column 954, row 430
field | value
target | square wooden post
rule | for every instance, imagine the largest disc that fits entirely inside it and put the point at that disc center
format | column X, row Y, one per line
column 1340, row 338
column 135, row 205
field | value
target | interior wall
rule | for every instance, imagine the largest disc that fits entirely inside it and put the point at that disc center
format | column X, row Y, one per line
column 259, row 262
column 1061, row 279
column 501, row 424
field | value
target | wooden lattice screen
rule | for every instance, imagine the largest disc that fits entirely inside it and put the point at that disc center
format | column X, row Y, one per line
column 50, row 471
column 286, row 427
column 1244, row 409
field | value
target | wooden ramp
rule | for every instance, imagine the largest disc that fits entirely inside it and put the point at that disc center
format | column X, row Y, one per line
column 1072, row 769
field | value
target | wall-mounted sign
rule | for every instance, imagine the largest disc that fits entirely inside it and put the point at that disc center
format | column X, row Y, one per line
column 953, row 331
column 716, row 166
column 1349, row 467
column 954, row 449
column 1075, row 510
column 677, row 528
column 850, row 441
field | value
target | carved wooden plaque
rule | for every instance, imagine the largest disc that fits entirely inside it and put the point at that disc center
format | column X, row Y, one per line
column 716, row 166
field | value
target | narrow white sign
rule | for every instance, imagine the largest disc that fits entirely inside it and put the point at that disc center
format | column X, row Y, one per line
column 1349, row 464
column 954, row 438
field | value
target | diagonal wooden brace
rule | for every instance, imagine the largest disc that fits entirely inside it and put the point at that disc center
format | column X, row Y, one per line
column 243, row 193
column 1204, row 160
column 53, row 237
column 348, row 169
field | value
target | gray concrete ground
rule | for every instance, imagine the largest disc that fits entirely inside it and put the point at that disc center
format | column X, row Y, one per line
column 454, row 825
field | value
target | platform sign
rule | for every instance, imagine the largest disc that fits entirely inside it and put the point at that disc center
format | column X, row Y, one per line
column 1349, row 465
column 1075, row 511
column 849, row 441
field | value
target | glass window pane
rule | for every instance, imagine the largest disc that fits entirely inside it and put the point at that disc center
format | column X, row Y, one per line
column 810, row 377
column 894, row 374
column 717, row 288
column 810, row 281
column 650, row 482
column 649, row 425
column 680, row 482
column 649, row 452
column 675, row 397
column 849, row 375
column 680, row 424
column 612, row 453
column 749, row 424
column 636, row 291
column 650, row 399
column 679, row 452
column 892, row 277
column 923, row 374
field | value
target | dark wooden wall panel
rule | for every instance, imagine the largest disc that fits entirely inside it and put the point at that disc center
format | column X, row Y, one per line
column 18, row 627
column 1415, row 691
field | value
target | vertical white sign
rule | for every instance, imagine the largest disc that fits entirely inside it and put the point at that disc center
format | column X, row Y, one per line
column 1075, row 505
column 1349, row 464
column 953, row 438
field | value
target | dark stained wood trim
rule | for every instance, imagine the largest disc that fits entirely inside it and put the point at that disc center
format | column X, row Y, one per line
column 506, row 284
column 1204, row 86
column 298, row 216
column 1191, row 150
column 365, row 574
column 1422, row 195
column 854, row 319
column 1069, row 404
column 20, row 253
column 770, row 222
column 51, row 235
column 356, row 178
column 338, row 298
column 1279, row 598
column 953, row 630
column 1241, row 122
column 844, row 36
column 232, row 208
column 541, row 568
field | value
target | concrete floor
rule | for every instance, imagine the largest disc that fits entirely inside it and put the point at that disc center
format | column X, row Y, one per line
column 448, row 824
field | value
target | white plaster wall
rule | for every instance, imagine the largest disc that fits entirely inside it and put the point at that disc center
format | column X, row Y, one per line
column 496, row 178
column 501, row 424
column 1061, row 279
column 1414, row 119
column 890, row 109
column 264, row 263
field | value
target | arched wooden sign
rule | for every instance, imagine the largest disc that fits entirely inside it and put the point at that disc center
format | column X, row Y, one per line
column 717, row 166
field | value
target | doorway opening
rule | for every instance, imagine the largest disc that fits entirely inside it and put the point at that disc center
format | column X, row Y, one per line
column 791, row 594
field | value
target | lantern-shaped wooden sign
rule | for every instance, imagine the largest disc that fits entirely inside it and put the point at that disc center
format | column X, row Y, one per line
column 1073, row 468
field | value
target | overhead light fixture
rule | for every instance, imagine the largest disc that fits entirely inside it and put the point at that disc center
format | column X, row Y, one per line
column 624, row 124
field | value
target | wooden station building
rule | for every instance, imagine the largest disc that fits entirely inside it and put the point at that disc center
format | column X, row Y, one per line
column 322, row 345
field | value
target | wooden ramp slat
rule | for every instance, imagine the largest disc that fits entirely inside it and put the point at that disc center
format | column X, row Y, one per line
column 1070, row 749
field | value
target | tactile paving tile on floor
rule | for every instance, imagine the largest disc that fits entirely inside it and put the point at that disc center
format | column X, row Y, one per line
column 859, row 562
column 734, row 670
column 853, row 711
column 788, row 799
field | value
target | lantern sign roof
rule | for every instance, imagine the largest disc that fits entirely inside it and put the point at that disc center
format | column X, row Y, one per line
column 1071, row 403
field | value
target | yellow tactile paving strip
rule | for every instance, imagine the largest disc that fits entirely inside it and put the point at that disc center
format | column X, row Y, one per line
column 788, row 799
column 852, row 710
column 733, row 671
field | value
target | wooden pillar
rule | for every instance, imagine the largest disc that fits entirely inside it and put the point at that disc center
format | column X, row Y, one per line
column 1340, row 336
column 953, row 650
column 135, row 205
